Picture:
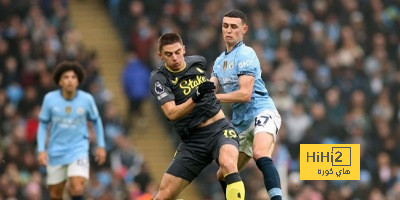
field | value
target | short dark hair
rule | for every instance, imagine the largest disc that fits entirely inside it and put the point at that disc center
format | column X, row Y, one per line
column 167, row 39
column 64, row 66
column 236, row 14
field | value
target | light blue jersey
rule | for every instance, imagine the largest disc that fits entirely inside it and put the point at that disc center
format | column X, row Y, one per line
column 69, row 135
column 242, row 60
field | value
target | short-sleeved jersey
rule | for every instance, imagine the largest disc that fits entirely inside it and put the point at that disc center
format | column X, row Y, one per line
column 69, row 135
column 168, row 86
column 242, row 60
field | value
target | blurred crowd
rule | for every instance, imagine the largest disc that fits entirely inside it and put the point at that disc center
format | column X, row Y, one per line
column 331, row 66
column 34, row 37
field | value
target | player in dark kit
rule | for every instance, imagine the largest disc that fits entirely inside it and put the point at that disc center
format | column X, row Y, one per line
column 187, row 99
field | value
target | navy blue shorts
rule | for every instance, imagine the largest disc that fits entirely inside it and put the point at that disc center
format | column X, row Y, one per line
column 200, row 148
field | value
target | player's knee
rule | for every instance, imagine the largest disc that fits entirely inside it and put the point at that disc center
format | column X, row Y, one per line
column 228, row 166
column 77, row 188
column 220, row 175
column 259, row 154
column 55, row 194
column 164, row 194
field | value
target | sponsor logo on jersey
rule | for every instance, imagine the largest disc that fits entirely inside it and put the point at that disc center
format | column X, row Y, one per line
column 188, row 85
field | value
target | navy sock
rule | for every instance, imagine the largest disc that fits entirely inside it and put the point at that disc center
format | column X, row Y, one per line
column 271, row 178
column 223, row 185
column 77, row 197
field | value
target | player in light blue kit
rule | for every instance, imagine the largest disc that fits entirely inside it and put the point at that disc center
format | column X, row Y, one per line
column 65, row 113
column 255, row 116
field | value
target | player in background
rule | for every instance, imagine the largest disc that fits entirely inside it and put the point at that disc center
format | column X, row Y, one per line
column 64, row 114
column 187, row 99
column 255, row 116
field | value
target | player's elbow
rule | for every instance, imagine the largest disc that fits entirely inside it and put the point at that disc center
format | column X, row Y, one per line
column 171, row 116
column 246, row 97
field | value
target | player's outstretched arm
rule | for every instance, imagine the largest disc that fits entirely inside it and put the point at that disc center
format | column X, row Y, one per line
column 243, row 94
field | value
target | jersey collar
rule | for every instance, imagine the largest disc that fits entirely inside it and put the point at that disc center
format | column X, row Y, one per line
column 169, row 69
column 234, row 47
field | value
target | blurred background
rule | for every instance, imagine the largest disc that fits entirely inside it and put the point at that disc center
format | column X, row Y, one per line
column 331, row 66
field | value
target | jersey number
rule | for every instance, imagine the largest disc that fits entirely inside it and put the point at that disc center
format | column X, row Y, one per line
column 230, row 134
column 261, row 121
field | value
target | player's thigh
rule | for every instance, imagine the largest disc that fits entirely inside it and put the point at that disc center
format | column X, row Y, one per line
column 263, row 145
column 189, row 160
column 267, row 125
column 79, row 168
column 56, row 174
column 56, row 179
column 171, row 186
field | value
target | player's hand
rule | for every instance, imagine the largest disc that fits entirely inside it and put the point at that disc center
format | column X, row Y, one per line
column 100, row 156
column 43, row 159
column 204, row 88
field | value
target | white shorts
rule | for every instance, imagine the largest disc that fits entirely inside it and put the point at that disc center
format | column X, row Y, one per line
column 59, row 173
column 268, row 121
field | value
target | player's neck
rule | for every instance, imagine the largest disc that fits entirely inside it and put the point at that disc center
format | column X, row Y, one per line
column 68, row 95
column 171, row 69
column 230, row 47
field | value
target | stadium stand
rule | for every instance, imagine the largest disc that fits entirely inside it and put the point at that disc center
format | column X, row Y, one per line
column 332, row 68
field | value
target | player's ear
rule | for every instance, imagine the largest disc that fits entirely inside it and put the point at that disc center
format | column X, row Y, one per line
column 245, row 28
column 184, row 50
column 159, row 54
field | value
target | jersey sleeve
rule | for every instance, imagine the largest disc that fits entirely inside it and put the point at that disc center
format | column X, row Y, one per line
column 93, row 113
column 215, row 68
column 247, row 62
column 45, row 112
column 160, row 89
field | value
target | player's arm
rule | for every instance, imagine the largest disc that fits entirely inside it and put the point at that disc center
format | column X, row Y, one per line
column 44, row 119
column 215, row 81
column 246, row 66
column 174, row 112
column 243, row 94
column 100, row 154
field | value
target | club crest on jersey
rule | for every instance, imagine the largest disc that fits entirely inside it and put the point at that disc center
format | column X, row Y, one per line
column 231, row 64
column 68, row 110
column 79, row 111
column 158, row 88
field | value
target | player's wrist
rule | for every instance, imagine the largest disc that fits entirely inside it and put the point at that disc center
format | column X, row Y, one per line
column 196, row 96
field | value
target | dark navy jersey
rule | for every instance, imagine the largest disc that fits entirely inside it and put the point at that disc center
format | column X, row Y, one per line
column 169, row 85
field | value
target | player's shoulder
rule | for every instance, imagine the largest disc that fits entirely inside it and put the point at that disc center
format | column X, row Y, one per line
column 53, row 94
column 196, row 61
column 157, row 74
column 246, row 51
column 83, row 94
column 218, row 59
